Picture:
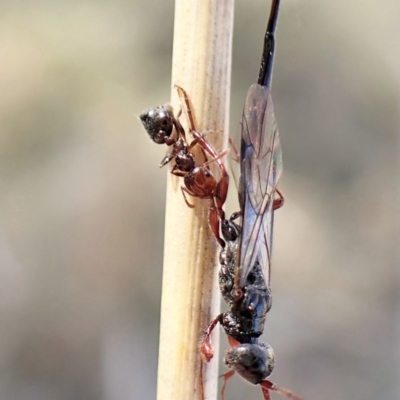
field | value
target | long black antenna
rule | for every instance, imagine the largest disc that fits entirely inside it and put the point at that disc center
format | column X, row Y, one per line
column 267, row 60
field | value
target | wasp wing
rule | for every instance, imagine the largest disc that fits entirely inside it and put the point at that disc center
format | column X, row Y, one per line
column 261, row 167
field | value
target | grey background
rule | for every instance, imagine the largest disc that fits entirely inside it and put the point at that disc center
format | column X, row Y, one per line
column 82, row 198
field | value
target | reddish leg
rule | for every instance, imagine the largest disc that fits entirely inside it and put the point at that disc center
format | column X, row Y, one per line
column 216, row 211
column 184, row 99
column 175, row 171
column 233, row 342
column 221, row 192
column 201, row 137
column 178, row 126
column 184, row 189
column 206, row 349
column 214, row 222
column 195, row 142
column 265, row 393
column 228, row 375
column 278, row 203
column 209, row 149
column 217, row 158
column 266, row 386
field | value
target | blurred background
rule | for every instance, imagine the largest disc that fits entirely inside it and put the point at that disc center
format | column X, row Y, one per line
column 82, row 198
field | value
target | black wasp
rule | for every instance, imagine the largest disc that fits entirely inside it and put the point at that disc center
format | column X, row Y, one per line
column 244, row 277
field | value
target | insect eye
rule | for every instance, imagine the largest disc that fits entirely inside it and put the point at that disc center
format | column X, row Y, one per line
column 165, row 121
column 251, row 278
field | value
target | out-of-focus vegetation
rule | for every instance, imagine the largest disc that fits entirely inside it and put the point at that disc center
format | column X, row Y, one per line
column 82, row 198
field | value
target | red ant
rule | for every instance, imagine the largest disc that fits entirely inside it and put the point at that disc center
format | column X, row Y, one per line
column 198, row 179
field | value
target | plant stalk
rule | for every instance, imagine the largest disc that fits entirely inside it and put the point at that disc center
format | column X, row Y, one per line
column 190, row 295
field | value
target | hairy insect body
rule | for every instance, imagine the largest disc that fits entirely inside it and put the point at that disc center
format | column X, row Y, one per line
column 244, row 322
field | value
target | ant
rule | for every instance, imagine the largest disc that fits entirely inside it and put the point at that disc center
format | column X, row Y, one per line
column 198, row 180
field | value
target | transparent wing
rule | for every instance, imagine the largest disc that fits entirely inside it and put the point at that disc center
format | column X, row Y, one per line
column 261, row 167
column 234, row 162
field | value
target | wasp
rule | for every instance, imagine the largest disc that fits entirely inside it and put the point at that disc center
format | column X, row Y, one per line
column 244, row 276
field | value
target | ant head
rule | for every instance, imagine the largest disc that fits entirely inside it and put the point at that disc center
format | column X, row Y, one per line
column 253, row 362
column 159, row 123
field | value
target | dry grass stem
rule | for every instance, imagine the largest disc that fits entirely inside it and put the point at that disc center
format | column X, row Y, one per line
column 190, row 296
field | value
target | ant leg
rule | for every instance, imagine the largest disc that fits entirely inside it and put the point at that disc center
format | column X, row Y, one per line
column 206, row 349
column 214, row 221
column 204, row 143
column 175, row 171
column 208, row 148
column 266, row 386
column 168, row 158
column 216, row 159
column 195, row 142
column 202, row 137
column 179, row 129
column 278, row 203
column 184, row 99
column 184, row 189
column 221, row 192
column 226, row 377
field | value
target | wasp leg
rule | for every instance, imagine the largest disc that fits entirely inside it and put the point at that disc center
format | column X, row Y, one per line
column 266, row 386
column 278, row 203
column 265, row 393
column 206, row 349
column 228, row 375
